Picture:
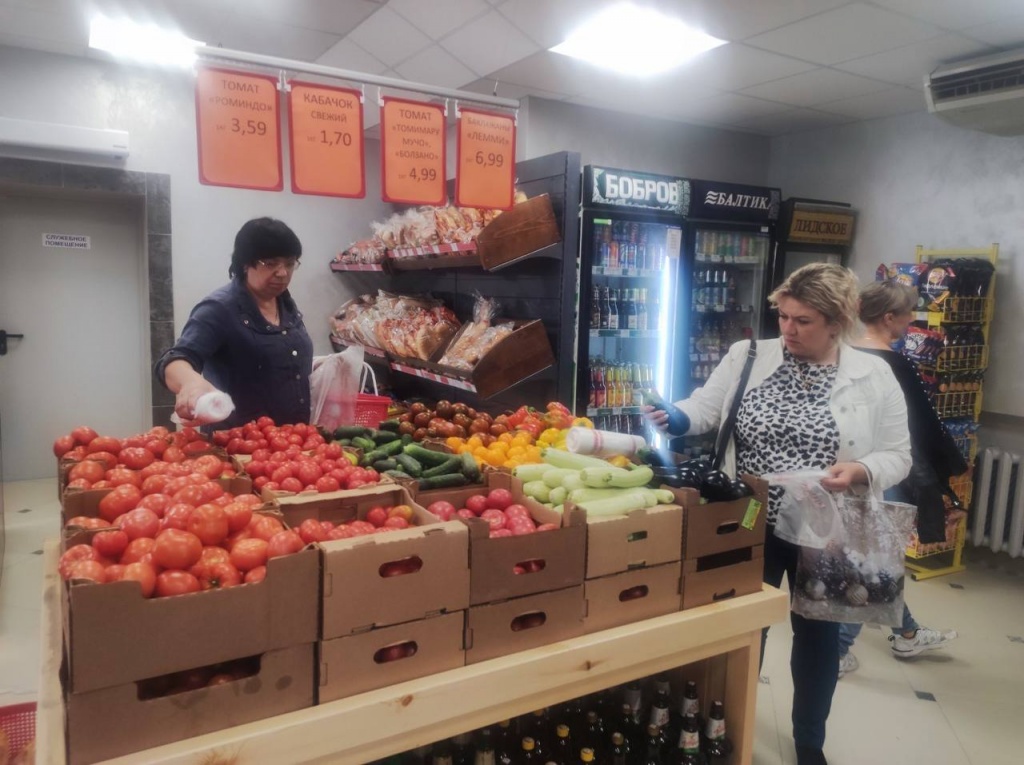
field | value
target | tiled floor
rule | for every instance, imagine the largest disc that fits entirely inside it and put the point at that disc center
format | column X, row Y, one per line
column 977, row 717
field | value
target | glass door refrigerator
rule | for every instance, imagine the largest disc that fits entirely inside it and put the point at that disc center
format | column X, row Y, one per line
column 810, row 231
column 730, row 233
column 632, row 274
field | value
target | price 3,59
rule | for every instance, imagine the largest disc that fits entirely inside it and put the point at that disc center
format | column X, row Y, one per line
column 249, row 127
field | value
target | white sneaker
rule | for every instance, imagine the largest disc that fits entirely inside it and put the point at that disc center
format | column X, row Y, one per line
column 848, row 664
column 926, row 639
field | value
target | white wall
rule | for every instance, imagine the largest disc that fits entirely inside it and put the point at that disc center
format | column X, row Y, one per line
column 158, row 110
column 639, row 142
column 917, row 180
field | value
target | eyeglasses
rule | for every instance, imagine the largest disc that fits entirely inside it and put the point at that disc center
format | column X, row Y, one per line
column 276, row 264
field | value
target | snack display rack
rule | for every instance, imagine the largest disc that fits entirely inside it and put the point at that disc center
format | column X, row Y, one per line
column 959, row 359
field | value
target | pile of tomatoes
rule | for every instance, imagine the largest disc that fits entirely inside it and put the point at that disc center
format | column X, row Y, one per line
column 379, row 519
column 498, row 507
column 293, row 458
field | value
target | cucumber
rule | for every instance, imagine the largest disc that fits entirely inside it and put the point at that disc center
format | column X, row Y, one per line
column 558, row 458
column 398, row 475
column 383, row 466
column 406, row 439
column 384, row 436
column 363, row 443
column 392, row 448
column 527, row 473
column 469, row 467
column 344, row 442
column 351, row 431
column 449, row 481
column 452, row 465
column 410, row 465
column 370, row 457
column 426, row 456
column 390, row 425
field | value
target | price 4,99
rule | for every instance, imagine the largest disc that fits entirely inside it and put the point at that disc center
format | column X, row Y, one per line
column 423, row 174
column 249, row 127
column 490, row 159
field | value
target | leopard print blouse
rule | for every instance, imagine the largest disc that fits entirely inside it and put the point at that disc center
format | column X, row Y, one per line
column 785, row 424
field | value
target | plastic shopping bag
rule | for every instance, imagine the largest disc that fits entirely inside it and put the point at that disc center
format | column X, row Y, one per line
column 858, row 576
column 334, row 385
column 808, row 514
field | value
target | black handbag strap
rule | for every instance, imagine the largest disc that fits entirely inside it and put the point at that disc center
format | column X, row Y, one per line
column 730, row 422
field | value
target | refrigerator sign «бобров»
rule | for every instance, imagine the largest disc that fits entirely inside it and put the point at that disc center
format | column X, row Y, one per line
column 647, row 191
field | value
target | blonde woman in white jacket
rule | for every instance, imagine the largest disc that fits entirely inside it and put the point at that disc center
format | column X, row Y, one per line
column 812, row 401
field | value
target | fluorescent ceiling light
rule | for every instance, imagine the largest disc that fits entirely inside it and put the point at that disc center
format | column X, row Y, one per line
column 636, row 40
column 145, row 43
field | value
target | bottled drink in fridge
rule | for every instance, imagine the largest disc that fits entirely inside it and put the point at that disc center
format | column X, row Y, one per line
column 441, row 753
column 613, row 309
column 660, row 713
column 506, row 745
column 633, row 695
column 641, row 309
column 593, row 735
column 654, row 747
column 717, row 746
column 587, row 755
column 595, row 307
column 605, row 307
column 619, row 752
column 483, row 753
column 530, row 752
column 688, row 747
column 563, row 752
column 627, row 725
column 632, row 317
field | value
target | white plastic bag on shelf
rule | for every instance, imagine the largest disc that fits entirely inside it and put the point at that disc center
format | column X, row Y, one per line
column 334, row 385
column 808, row 515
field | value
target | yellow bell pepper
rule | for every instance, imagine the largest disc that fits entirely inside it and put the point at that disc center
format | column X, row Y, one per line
column 583, row 422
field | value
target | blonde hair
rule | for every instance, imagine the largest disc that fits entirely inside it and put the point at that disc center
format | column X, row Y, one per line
column 827, row 288
column 880, row 298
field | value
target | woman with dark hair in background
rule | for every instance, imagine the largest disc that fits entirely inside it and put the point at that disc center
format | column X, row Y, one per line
column 247, row 338
column 886, row 310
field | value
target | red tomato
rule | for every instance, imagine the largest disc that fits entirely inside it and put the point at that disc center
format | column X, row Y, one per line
column 196, row 447
column 177, row 549
column 327, row 465
column 192, row 495
column 136, row 457
column 219, row 575
column 259, row 482
column 176, row 516
column 312, row 531
column 156, row 468
column 76, row 454
column 155, row 484
column 72, row 556
column 173, row 454
column 110, row 544
column 140, row 523
column 115, row 572
column 465, row 513
column 104, row 484
column 282, row 472
column 547, row 527
column 271, row 486
column 371, row 475
column 88, row 569
column 88, row 470
column 83, row 435
column 327, row 483
column 264, row 527
column 136, row 440
column 499, row 498
column 170, row 583
column 377, row 516
column 209, row 465
column 396, row 522
column 157, row 446
column 501, row 533
column 341, row 532
column 63, row 445
column 88, row 523
column 332, row 451
column 256, row 468
column 340, row 475
column 221, row 437
column 495, row 518
column 265, row 422
column 211, row 491
column 209, row 523
column 477, row 504
column 249, row 499
column 248, row 554
column 293, row 485
column 353, row 484
column 119, row 501
column 158, row 431
column 309, row 473
column 158, row 503
column 78, row 483
column 104, row 444
column 443, row 510
column 239, row 514
column 256, row 575
column 144, row 574
column 108, row 460
column 517, row 511
column 122, row 475
column 521, row 526
column 360, row 528
column 137, row 550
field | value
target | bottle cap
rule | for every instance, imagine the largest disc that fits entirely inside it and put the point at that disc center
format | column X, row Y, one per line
column 528, row 744
column 587, row 755
column 618, row 739
column 562, row 731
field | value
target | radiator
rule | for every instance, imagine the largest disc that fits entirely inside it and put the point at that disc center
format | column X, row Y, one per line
column 998, row 506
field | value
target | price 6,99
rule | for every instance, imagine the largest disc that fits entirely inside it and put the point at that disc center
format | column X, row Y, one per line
column 423, row 174
column 490, row 159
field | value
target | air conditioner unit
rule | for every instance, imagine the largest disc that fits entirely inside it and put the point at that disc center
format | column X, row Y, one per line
column 48, row 135
column 985, row 94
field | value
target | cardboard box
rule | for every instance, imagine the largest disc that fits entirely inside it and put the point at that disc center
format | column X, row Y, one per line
column 111, row 722
column 555, row 559
column 632, row 596
column 643, row 538
column 498, row 629
column 360, row 663
column 720, row 577
column 715, row 527
column 114, row 636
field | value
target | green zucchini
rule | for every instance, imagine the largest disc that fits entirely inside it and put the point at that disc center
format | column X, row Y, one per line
column 452, row 465
column 390, row 425
column 363, row 443
column 426, row 456
column 449, row 481
column 391, row 448
column 383, row 466
column 409, row 464
column 370, row 457
column 384, row 436
column 527, row 473
column 469, row 467
column 351, row 431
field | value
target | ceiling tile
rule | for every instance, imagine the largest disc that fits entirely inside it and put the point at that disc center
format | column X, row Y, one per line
column 815, row 87
column 910, row 64
column 954, row 14
column 736, row 66
column 488, row 43
column 1006, row 33
column 793, row 121
column 662, row 92
column 853, row 31
column 323, row 15
column 485, row 86
column 549, row 23
column 439, row 17
column 389, row 37
column 885, row 103
column 435, row 66
column 345, row 54
column 739, row 19
column 729, row 108
column 244, row 32
column 552, row 72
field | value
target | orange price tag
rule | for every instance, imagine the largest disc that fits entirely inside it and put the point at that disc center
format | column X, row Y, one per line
column 239, row 130
column 326, row 133
column 487, row 158
column 412, row 152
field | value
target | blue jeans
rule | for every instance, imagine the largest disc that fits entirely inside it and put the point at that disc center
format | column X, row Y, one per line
column 849, row 632
column 814, row 661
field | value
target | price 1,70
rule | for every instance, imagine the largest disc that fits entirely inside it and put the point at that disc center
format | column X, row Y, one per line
column 423, row 174
column 335, row 138
column 490, row 159
column 249, row 127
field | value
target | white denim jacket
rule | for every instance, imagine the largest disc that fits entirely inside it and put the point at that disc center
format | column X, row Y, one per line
column 867, row 403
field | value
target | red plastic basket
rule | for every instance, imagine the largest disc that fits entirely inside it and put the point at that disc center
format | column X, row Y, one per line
column 371, row 409
column 19, row 723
